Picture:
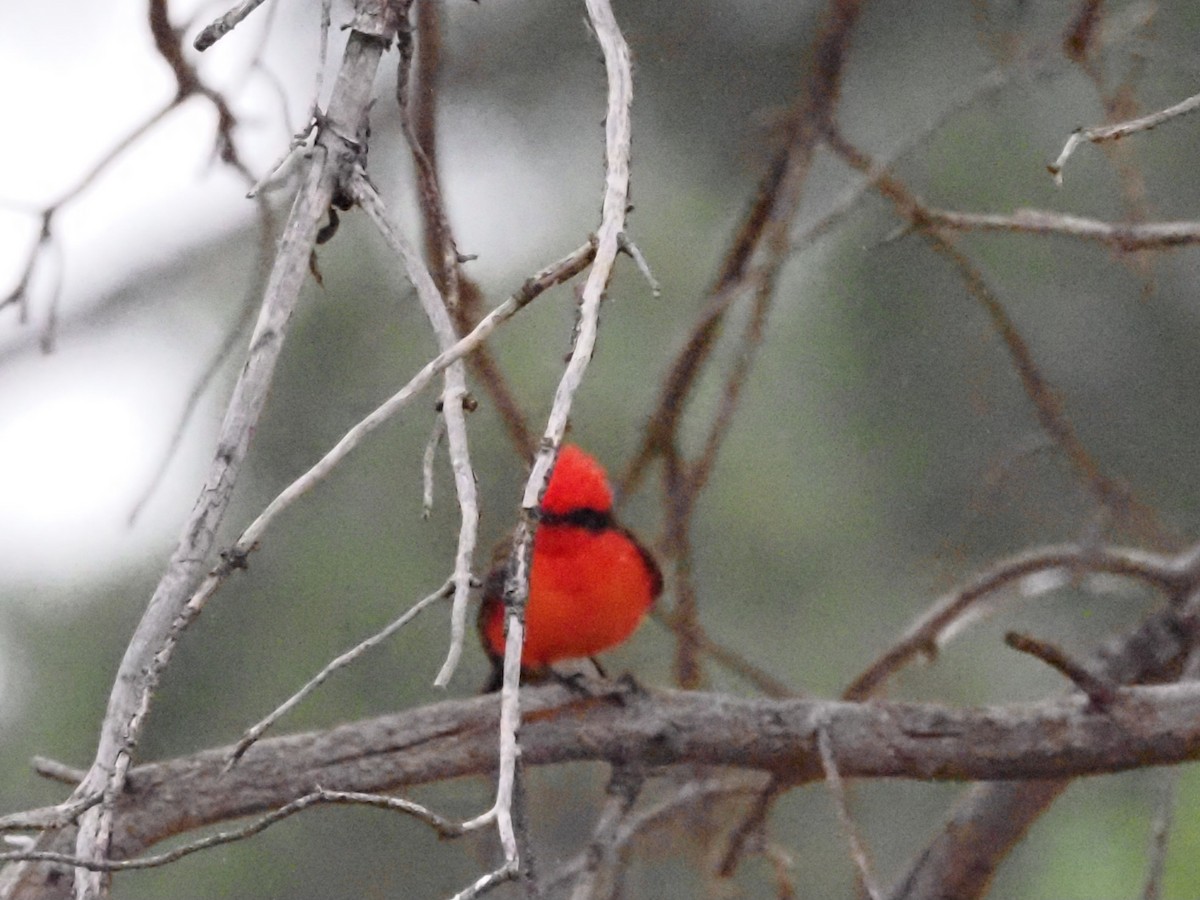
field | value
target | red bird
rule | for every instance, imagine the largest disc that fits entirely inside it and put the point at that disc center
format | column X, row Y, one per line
column 590, row 583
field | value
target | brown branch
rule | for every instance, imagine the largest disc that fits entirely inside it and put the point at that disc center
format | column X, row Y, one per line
column 1099, row 690
column 1112, row 494
column 224, row 24
column 751, row 826
column 992, row 818
column 1083, row 31
column 764, row 229
column 1051, row 739
column 988, row 822
column 1171, row 575
column 464, row 297
column 46, row 243
column 750, row 269
column 731, row 660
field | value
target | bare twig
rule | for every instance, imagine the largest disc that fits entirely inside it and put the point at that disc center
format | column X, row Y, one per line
column 599, row 877
column 733, row 661
column 443, row 827
column 225, row 24
column 690, row 794
column 1101, row 691
column 257, row 731
column 438, row 305
column 762, row 234
column 992, row 818
column 47, row 817
column 235, row 556
column 1163, row 820
column 486, row 883
column 751, row 826
column 1099, row 133
column 750, row 269
column 418, row 118
column 427, row 461
column 45, row 241
column 453, row 397
column 1168, row 574
column 1126, row 236
column 1160, row 833
column 58, row 771
column 858, row 851
column 640, row 261
column 219, row 358
column 1110, row 493
column 618, row 139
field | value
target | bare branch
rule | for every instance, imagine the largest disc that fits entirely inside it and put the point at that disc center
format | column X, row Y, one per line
column 1169, row 574
column 219, row 357
column 618, row 139
column 750, row 830
column 991, row 818
column 169, row 612
column 533, row 288
column 833, row 779
column 1110, row 493
column 1160, row 833
column 1124, row 236
column 599, row 877
column 254, row 733
column 453, row 398
column 224, row 24
column 690, row 794
column 1099, row 690
column 1100, row 133
column 443, row 827
column 1051, row 739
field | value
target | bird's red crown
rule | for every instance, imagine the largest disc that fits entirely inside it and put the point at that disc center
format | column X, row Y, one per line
column 577, row 482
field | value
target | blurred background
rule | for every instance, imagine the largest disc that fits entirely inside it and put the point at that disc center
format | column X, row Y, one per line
column 884, row 452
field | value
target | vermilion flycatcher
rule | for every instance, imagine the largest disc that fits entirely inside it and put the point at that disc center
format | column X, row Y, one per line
column 591, row 582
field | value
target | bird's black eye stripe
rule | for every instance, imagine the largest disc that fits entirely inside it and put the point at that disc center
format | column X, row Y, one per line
column 590, row 519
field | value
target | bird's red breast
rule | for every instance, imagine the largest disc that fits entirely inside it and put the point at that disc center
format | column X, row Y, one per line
column 591, row 582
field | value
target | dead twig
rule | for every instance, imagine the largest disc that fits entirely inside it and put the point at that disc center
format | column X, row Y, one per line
column 858, row 852
column 1100, row 133
column 340, row 662
column 1168, row 574
column 1101, row 691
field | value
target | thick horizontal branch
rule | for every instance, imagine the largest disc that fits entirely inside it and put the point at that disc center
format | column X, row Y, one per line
column 1051, row 739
